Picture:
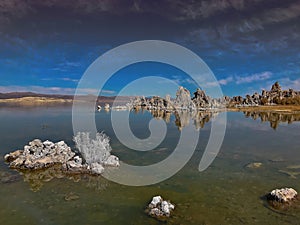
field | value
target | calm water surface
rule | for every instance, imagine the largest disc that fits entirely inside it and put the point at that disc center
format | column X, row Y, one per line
column 226, row 193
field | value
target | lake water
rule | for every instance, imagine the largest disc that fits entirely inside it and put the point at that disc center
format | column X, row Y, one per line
column 228, row 192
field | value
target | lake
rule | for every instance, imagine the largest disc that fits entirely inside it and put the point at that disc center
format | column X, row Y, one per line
column 227, row 192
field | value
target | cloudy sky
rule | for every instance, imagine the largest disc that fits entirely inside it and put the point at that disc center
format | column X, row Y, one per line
column 46, row 46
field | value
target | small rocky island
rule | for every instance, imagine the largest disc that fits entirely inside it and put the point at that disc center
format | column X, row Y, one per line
column 159, row 208
column 282, row 195
column 282, row 198
column 40, row 155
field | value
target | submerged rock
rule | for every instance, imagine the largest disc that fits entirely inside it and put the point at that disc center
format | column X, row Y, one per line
column 276, row 159
column 71, row 196
column 159, row 208
column 290, row 173
column 254, row 165
column 293, row 167
column 282, row 195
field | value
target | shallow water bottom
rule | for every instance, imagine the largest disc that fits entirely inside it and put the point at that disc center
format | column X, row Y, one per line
column 215, row 196
column 228, row 192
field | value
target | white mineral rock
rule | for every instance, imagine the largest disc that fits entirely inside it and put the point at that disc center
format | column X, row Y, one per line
column 112, row 161
column 156, row 200
column 283, row 194
column 78, row 160
column 96, row 168
column 159, row 207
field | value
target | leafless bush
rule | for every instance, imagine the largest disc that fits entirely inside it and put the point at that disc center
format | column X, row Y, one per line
column 93, row 150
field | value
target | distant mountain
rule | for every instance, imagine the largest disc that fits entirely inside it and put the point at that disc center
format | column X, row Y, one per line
column 32, row 94
column 101, row 99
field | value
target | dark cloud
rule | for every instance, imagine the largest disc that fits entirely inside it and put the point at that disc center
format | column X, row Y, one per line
column 269, row 28
column 12, row 9
column 232, row 25
column 59, row 34
column 175, row 9
column 250, row 14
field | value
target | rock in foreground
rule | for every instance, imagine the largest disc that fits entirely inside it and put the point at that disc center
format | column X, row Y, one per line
column 159, row 208
column 282, row 195
column 39, row 155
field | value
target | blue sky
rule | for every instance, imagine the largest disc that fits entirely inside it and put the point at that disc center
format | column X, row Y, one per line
column 45, row 46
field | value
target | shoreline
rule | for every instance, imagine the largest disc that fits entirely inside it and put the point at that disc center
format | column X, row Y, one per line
column 48, row 101
column 269, row 108
column 34, row 101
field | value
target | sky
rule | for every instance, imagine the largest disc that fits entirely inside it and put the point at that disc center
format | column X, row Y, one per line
column 46, row 46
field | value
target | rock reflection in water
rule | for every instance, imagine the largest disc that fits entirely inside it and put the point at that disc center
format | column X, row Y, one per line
column 184, row 117
column 161, row 114
column 275, row 118
column 38, row 178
